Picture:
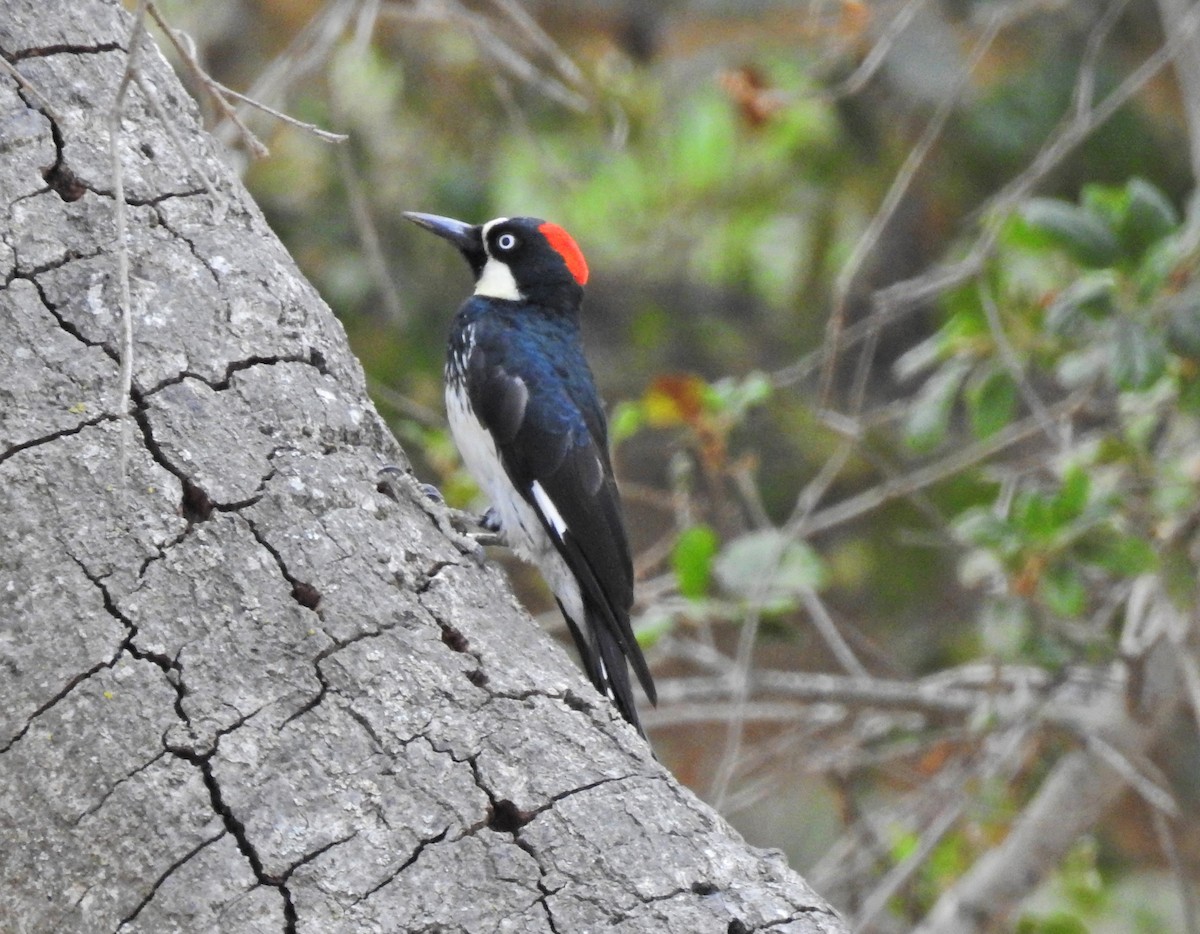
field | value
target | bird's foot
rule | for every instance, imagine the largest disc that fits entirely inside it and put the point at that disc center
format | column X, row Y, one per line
column 485, row 529
column 453, row 523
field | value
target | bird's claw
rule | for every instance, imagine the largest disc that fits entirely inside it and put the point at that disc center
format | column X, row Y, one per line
column 429, row 498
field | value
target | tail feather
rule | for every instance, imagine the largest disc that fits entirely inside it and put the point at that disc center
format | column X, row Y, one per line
column 604, row 661
column 616, row 671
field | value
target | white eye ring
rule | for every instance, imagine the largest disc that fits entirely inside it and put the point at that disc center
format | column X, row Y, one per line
column 506, row 241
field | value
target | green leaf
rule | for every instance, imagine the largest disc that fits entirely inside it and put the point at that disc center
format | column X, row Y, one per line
column 1149, row 217
column 929, row 417
column 736, row 396
column 1126, row 555
column 692, row 559
column 1062, row 590
column 1057, row 922
column 1072, row 496
column 626, row 420
column 1078, row 231
column 991, row 402
column 1090, row 295
column 769, row 565
column 1139, row 356
column 981, row 526
column 1033, row 514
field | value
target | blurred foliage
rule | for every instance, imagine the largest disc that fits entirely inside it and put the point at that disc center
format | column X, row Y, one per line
column 718, row 175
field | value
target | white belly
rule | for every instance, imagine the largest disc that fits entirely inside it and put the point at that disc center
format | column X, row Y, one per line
column 523, row 530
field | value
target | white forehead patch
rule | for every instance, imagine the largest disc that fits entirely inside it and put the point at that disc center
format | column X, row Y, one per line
column 487, row 228
column 496, row 280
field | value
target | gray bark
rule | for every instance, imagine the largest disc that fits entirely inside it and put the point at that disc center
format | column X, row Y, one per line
column 241, row 689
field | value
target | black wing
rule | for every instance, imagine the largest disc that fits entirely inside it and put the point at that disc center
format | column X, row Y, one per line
column 552, row 442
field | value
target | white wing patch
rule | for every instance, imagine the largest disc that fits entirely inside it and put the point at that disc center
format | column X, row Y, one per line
column 549, row 510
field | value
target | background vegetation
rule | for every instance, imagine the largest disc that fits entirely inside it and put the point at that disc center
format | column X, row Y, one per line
column 897, row 310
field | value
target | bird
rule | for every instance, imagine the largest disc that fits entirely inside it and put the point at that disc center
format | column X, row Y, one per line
column 530, row 425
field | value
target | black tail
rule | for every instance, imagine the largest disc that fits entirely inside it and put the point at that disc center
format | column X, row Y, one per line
column 605, row 661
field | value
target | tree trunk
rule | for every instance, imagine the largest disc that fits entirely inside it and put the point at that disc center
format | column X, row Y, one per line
column 242, row 689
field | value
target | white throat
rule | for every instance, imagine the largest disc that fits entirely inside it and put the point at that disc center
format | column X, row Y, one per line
column 496, row 281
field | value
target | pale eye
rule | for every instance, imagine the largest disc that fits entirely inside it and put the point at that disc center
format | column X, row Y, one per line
column 506, row 241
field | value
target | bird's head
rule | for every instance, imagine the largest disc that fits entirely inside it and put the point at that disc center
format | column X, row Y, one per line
column 516, row 258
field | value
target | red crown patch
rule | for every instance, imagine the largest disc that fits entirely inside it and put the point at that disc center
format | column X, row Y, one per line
column 566, row 247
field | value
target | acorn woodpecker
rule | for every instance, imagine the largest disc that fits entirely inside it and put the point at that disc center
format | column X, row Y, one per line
column 527, row 419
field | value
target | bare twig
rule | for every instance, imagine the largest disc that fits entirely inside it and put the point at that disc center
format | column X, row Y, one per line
column 828, row 631
column 1153, row 794
column 1084, row 94
column 501, row 53
column 1079, row 790
column 1056, row 434
column 29, row 88
column 368, row 236
column 903, row 297
column 734, row 730
column 168, row 125
column 898, row 875
column 939, row 470
column 1183, row 878
column 306, row 52
column 1185, row 55
column 326, row 136
column 541, row 40
column 220, row 93
column 124, row 403
column 1001, row 756
column 857, row 79
column 406, row 406
column 1191, row 678
column 187, row 54
column 870, row 237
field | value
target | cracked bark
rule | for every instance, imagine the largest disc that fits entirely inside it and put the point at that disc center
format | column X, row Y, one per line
column 241, row 688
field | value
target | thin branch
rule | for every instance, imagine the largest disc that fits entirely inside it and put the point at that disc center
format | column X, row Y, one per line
column 735, row 728
column 168, row 124
column 937, row 471
column 828, row 631
column 857, row 79
column 30, row 88
column 186, row 50
column 220, row 94
column 542, row 40
column 870, row 237
column 1084, row 94
column 1078, row 792
column 1191, row 680
column 326, row 136
column 1175, row 15
column 899, row 875
column 909, row 295
column 307, row 51
column 501, row 53
column 124, row 404
column 816, row 687
column 1008, row 356
column 405, row 405
column 1183, row 878
column 1153, row 794
column 368, row 236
